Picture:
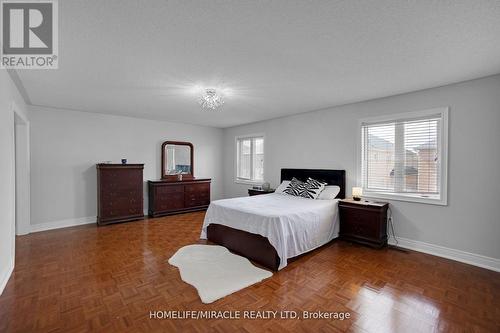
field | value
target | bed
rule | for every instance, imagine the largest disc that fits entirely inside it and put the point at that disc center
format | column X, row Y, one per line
column 270, row 229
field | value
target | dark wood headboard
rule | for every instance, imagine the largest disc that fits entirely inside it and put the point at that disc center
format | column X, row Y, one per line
column 332, row 177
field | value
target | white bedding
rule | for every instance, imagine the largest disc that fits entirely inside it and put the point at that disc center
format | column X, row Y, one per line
column 293, row 225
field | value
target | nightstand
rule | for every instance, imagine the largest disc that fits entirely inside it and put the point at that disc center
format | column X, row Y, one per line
column 363, row 222
column 254, row 191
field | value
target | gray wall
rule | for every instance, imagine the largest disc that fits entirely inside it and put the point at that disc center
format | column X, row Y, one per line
column 327, row 139
column 66, row 145
column 8, row 95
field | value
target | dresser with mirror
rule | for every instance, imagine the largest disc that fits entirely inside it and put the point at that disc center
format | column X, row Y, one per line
column 178, row 190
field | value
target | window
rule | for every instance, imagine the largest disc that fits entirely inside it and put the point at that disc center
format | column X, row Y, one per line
column 250, row 159
column 405, row 156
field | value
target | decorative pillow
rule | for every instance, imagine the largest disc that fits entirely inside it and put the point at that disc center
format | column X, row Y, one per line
column 310, row 189
column 284, row 184
column 295, row 188
column 330, row 192
column 313, row 188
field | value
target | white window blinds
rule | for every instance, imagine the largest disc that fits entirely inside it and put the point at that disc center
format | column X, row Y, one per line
column 403, row 156
column 250, row 159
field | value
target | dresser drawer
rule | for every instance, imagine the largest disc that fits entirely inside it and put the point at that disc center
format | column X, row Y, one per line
column 198, row 188
column 193, row 201
column 360, row 230
column 173, row 197
column 169, row 189
column 172, row 201
column 363, row 223
column 119, row 192
column 122, row 179
column 120, row 205
column 113, row 212
column 197, row 195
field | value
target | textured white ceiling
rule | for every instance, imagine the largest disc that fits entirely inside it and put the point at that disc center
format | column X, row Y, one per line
column 280, row 57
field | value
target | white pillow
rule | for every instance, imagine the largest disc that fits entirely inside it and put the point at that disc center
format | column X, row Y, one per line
column 284, row 184
column 329, row 193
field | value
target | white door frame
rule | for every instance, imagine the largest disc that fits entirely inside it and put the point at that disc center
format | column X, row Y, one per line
column 22, row 172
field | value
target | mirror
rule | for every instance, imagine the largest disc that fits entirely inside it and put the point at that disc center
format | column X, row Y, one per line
column 177, row 160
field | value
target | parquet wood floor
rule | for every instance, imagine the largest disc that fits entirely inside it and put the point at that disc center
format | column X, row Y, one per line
column 108, row 279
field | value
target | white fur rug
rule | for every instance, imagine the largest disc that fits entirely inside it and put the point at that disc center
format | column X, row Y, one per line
column 214, row 271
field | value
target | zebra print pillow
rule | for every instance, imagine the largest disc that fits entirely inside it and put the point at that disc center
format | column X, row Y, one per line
column 313, row 188
column 295, row 188
column 310, row 189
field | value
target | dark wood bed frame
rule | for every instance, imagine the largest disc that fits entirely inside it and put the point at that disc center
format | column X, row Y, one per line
column 256, row 247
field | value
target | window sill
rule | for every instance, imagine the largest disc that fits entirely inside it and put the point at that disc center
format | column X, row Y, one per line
column 407, row 198
column 248, row 182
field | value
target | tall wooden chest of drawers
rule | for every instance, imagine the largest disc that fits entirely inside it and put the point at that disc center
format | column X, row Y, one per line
column 119, row 193
column 167, row 197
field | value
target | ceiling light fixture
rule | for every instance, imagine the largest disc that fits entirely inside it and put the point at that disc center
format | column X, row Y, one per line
column 210, row 100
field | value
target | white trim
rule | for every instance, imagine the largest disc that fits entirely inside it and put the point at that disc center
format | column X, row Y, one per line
column 403, row 197
column 14, row 107
column 235, row 162
column 248, row 136
column 22, row 175
column 444, row 112
column 444, row 155
column 404, row 115
column 22, row 169
column 448, row 253
column 5, row 276
column 63, row 223
column 248, row 182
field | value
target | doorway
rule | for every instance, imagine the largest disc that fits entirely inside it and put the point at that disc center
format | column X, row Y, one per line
column 22, row 173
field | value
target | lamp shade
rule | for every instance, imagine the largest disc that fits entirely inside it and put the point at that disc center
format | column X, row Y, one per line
column 357, row 192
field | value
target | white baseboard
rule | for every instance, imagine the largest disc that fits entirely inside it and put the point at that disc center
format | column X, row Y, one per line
column 5, row 276
column 448, row 253
column 62, row 223
column 22, row 230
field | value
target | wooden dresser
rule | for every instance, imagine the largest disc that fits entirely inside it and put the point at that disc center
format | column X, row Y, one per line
column 119, row 193
column 167, row 197
column 363, row 222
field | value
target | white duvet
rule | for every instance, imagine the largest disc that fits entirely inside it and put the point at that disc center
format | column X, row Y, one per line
column 293, row 225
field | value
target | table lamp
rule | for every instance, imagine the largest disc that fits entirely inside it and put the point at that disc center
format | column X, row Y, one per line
column 357, row 192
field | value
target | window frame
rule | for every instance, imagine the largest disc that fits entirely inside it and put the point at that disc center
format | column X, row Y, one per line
column 236, row 162
column 443, row 167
